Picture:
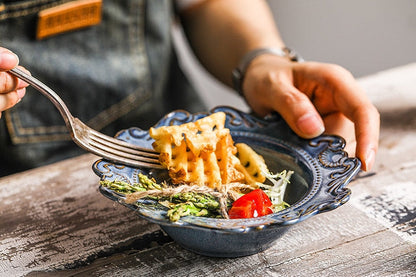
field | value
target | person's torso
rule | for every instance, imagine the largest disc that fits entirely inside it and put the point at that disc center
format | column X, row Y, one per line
column 113, row 75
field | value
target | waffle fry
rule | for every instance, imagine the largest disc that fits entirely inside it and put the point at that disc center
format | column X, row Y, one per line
column 227, row 161
column 251, row 164
column 203, row 153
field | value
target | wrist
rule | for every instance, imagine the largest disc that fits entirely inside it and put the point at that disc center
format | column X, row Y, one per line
column 239, row 72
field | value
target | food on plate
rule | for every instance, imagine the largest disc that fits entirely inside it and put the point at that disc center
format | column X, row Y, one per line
column 209, row 174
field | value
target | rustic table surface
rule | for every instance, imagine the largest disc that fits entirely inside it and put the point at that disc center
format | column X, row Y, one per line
column 54, row 222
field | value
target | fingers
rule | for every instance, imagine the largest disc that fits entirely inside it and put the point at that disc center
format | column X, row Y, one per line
column 11, row 88
column 273, row 90
column 8, row 100
column 8, row 83
column 312, row 97
column 339, row 124
column 367, row 128
column 351, row 100
column 298, row 111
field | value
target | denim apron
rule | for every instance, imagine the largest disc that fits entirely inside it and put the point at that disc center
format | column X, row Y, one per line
column 115, row 75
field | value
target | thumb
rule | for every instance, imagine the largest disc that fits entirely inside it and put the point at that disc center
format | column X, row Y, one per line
column 8, row 59
column 298, row 111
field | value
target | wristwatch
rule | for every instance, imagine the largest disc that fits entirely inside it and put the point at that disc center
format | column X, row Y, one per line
column 239, row 72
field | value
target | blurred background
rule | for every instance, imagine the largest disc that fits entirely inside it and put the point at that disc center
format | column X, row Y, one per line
column 364, row 36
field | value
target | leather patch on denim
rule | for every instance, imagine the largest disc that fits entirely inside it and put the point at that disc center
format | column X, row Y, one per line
column 68, row 17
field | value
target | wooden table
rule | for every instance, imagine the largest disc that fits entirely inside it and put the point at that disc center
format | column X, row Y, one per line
column 53, row 220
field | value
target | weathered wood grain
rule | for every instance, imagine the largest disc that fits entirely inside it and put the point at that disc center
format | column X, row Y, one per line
column 359, row 247
column 393, row 89
column 54, row 217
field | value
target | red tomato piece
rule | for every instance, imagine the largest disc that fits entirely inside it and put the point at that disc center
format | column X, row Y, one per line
column 241, row 212
column 253, row 204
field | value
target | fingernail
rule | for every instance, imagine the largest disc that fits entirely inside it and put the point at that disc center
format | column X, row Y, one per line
column 9, row 57
column 369, row 160
column 311, row 125
column 21, row 93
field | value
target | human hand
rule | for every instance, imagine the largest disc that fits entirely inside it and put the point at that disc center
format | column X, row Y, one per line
column 11, row 88
column 315, row 98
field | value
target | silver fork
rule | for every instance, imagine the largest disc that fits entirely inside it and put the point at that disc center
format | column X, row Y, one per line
column 110, row 148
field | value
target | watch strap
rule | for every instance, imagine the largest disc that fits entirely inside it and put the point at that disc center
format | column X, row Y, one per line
column 239, row 72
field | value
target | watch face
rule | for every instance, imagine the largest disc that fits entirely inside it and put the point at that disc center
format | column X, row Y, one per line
column 237, row 77
column 293, row 55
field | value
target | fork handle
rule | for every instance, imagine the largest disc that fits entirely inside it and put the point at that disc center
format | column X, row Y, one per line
column 48, row 92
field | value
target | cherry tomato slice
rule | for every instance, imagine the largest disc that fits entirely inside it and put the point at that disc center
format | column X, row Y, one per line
column 253, row 204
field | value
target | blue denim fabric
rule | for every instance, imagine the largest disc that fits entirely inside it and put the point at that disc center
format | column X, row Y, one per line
column 118, row 74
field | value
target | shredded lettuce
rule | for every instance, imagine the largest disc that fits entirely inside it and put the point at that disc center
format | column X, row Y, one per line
column 276, row 191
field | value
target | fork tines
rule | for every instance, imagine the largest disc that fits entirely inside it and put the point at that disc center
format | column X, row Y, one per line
column 120, row 151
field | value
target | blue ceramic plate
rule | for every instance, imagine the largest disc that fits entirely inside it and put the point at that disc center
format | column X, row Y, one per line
column 321, row 172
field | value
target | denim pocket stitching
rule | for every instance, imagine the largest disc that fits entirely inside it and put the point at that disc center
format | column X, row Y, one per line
column 20, row 134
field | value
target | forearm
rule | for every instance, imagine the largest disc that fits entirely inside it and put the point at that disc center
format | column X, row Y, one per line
column 221, row 32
